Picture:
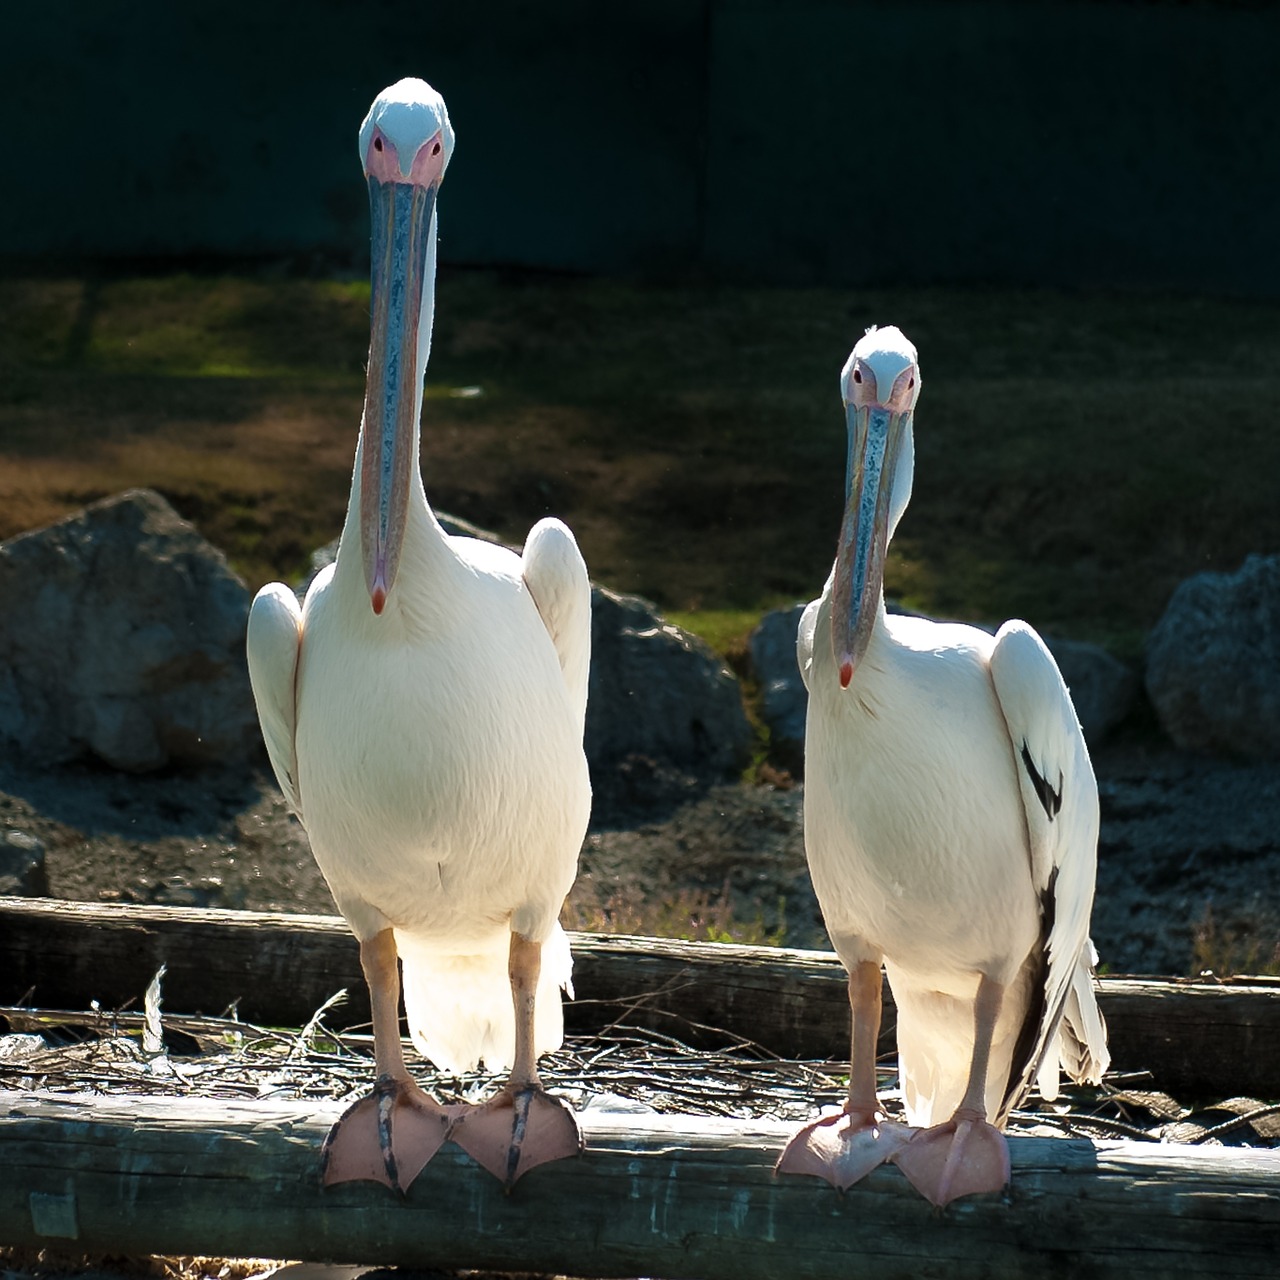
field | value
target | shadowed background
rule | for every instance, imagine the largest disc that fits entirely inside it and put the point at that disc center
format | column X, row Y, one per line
column 1076, row 142
column 664, row 227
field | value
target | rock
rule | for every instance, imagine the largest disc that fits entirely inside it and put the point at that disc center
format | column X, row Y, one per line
column 1213, row 661
column 22, row 866
column 179, row 891
column 664, row 713
column 1102, row 688
column 784, row 699
column 123, row 639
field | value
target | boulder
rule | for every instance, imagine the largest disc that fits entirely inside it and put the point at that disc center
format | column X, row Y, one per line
column 122, row 638
column 1213, row 661
column 658, row 697
column 784, row 699
column 22, row 866
column 1102, row 688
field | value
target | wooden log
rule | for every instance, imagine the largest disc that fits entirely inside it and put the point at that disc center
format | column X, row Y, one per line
column 653, row 1196
column 1199, row 1039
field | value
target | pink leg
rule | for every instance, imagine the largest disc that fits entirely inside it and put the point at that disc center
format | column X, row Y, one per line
column 964, row 1156
column 391, row 1134
column 846, row 1147
column 522, row 1126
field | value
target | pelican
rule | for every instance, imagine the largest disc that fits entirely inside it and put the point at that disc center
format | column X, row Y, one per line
column 423, row 712
column 951, row 824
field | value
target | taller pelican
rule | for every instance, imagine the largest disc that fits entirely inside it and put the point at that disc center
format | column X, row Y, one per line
column 424, row 713
column 951, row 826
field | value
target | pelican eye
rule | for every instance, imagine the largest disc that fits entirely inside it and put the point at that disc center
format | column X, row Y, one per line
column 377, row 144
column 857, row 375
column 435, row 151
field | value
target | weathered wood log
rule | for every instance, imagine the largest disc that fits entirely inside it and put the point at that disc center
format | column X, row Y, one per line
column 1198, row 1039
column 652, row 1196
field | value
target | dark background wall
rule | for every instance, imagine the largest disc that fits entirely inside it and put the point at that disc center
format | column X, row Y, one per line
column 1062, row 141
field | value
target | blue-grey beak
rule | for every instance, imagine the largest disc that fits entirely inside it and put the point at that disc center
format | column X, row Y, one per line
column 401, row 219
column 875, row 441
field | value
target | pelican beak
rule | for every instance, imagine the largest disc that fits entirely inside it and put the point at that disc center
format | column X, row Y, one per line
column 875, row 441
column 401, row 208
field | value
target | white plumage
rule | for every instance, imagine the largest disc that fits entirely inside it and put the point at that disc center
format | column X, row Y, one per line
column 916, row 828
column 951, row 818
column 424, row 709
column 441, row 775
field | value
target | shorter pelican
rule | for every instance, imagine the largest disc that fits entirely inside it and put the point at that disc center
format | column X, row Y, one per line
column 951, row 825
column 424, row 713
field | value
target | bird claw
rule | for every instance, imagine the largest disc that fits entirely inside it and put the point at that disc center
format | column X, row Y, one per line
column 965, row 1156
column 517, row 1130
column 388, row 1136
column 843, row 1148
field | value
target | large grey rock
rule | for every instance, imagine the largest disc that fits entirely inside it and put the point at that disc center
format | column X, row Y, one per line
column 122, row 638
column 1213, row 661
column 1102, row 688
column 784, row 699
column 659, row 693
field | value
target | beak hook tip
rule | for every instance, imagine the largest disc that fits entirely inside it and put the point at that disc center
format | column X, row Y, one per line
column 846, row 672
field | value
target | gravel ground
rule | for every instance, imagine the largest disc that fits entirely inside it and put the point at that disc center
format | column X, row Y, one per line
column 1188, row 868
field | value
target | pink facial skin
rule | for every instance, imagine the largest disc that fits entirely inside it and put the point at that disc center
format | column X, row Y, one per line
column 382, row 161
column 861, row 390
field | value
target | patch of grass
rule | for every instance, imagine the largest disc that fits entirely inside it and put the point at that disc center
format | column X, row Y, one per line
column 725, row 630
column 1077, row 455
column 1245, row 942
column 693, row 915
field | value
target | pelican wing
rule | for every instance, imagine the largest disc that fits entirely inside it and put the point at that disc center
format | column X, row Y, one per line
column 556, row 575
column 804, row 639
column 273, row 645
column 1060, row 798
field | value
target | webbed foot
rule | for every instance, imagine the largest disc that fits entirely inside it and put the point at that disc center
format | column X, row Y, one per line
column 845, row 1147
column 965, row 1156
column 388, row 1136
column 517, row 1130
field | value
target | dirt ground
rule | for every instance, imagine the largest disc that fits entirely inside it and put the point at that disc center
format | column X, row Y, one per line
column 657, row 420
column 1188, row 869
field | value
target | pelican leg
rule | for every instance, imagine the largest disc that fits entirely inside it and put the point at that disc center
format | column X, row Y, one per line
column 389, row 1135
column 965, row 1155
column 521, row 1126
column 845, row 1147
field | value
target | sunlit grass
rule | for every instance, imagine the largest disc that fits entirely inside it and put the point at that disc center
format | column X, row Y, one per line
column 692, row 915
column 1244, row 942
column 1076, row 455
column 725, row 630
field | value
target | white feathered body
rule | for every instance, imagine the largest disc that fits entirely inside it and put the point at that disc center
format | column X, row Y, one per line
column 917, row 835
column 440, row 772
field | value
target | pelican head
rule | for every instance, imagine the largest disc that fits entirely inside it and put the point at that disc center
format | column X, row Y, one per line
column 405, row 144
column 879, row 385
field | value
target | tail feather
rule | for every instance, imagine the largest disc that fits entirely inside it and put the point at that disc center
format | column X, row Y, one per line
column 1080, row 1043
column 1083, row 1034
column 460, row 1007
